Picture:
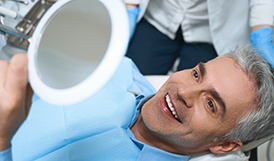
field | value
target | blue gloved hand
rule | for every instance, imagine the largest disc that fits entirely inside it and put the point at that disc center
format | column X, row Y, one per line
column 262, row 41
column 133, row 14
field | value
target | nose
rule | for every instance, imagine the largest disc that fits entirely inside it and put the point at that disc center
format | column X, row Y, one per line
column 189, row 95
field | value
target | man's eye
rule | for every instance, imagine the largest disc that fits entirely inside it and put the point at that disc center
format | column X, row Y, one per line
column 211, row 105
column 195, row 75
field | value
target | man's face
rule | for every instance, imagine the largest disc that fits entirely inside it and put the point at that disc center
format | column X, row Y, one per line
column 198, row 105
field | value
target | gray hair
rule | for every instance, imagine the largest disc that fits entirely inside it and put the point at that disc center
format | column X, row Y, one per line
column 259, row 123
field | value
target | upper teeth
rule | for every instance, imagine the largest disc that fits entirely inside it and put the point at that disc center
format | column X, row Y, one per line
column 170, row 106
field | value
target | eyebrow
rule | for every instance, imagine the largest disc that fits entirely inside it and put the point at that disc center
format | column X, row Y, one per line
column 212, row 92
column 202, row 69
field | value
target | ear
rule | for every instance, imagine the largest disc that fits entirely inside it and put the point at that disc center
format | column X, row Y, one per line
column 226, row 147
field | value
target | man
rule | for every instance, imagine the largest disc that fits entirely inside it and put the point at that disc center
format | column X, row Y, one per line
column 214, row 107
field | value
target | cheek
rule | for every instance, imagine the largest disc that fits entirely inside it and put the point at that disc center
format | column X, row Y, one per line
column 202, row 123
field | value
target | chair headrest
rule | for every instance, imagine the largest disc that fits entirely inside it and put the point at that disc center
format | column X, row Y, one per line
column 256, row 143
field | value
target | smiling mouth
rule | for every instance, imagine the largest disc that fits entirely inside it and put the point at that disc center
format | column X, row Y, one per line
column 171, row 108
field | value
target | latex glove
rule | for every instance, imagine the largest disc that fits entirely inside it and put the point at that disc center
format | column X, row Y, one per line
column 133, row 14
column 262, row 41
column 13, row 87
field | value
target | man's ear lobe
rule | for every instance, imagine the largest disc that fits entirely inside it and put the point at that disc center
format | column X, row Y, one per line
column 226, row 147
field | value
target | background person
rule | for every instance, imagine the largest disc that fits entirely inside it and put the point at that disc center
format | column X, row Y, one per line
column 197, row 31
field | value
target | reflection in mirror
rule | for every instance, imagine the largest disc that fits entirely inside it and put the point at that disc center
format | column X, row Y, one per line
column 73, row 43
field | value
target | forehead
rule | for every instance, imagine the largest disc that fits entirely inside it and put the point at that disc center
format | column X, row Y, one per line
column 232, row 83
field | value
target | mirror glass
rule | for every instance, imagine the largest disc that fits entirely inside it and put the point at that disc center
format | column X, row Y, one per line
column 73, row 43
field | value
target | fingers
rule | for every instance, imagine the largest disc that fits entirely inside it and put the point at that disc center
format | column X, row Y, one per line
column 13, row 83
column 3, row 71
column 17, row 74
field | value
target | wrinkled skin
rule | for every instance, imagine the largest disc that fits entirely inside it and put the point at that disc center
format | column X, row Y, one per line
column 201, row 117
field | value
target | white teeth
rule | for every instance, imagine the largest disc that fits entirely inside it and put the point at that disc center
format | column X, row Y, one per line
column 170, row 106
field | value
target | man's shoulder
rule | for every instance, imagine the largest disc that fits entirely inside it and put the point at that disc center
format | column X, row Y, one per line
column 140, row 84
